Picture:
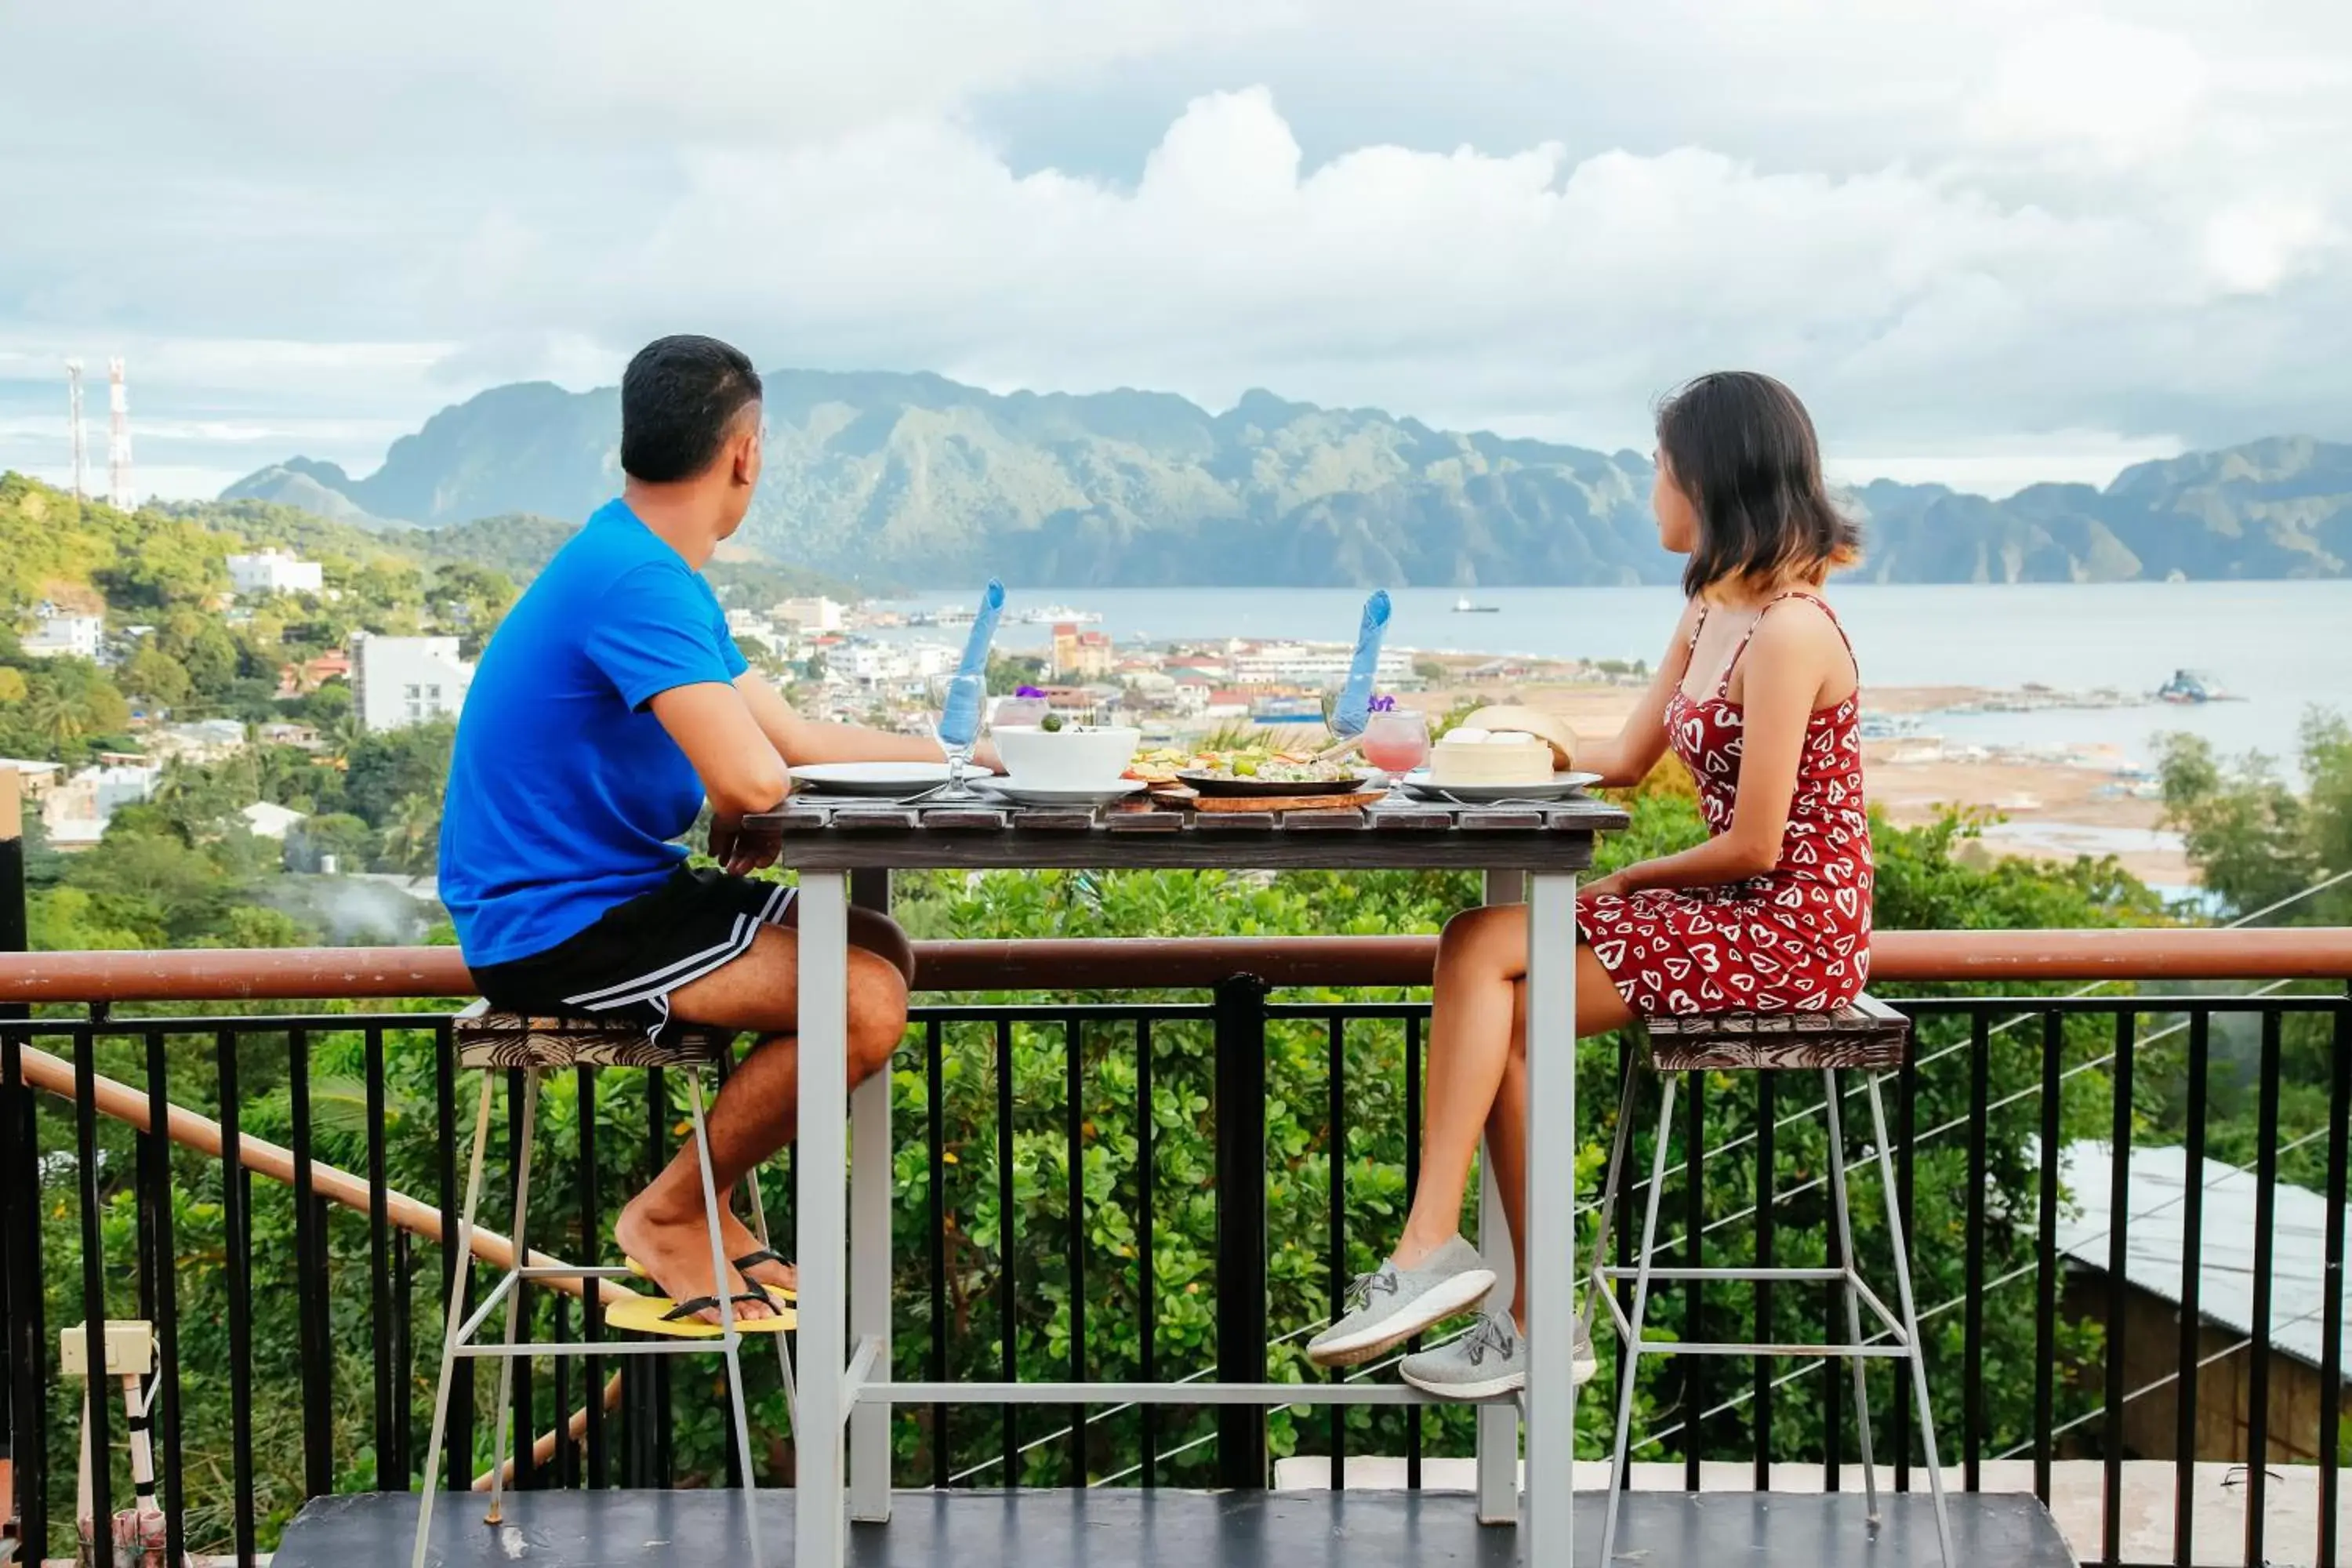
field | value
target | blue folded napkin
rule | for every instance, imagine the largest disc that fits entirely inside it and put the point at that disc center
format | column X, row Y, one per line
column 1355, row 705
column 968, row 693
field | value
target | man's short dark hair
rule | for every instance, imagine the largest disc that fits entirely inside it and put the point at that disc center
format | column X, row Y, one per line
column 679, row 399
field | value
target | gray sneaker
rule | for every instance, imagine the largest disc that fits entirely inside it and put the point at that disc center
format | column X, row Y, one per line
column 1390, row 1305
column 1489, row 1361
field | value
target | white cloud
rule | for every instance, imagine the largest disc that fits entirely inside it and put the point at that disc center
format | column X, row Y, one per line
column 2253, row 247
column 1956, row 230
column 2126, row 91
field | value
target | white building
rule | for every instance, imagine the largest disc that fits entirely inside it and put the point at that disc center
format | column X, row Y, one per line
column 812, row 616
column 77, row 811
column 1309, row 664
column 750, row 626
column 884, row 664
column 79, row 637
column 273, row 572
column 267, row 819
column 399, row 681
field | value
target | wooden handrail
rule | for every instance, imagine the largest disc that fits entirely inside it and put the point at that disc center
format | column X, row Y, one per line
column 230, row 974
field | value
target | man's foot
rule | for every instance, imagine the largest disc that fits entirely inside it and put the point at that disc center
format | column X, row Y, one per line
column 737, row 1238
column 1391, row 1305
column 676, row 1253
column 1488, row 1362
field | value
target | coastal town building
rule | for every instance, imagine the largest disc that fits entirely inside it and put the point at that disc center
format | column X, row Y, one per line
column 61, row 634
column 1302, row 664
column 297, row 679
column 400, row 681
column 75, row 812
column 813, row 614
column 275, row 571
column 267, row 819
column 1081, row 655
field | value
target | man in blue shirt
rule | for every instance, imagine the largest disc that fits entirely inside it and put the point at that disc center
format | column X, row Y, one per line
column 610, row 705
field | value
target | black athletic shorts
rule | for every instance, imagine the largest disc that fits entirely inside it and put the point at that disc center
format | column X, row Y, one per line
column 637, row 954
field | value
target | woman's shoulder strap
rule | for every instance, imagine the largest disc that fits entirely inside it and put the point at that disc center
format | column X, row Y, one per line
column 1814, row 599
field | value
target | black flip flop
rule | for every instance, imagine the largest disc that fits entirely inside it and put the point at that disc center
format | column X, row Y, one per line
column 702, row 1304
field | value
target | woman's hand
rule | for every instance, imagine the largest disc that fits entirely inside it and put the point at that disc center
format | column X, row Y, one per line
column 1613, row 886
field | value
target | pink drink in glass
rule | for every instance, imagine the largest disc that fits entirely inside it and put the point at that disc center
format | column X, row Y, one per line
column 1396, row 742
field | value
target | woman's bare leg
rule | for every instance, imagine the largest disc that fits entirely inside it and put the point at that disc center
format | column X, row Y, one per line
column 1477, row 1030
column 1598, row 1009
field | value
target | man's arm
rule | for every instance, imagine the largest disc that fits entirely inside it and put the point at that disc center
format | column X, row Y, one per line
column 741, row 771
column 799, row 740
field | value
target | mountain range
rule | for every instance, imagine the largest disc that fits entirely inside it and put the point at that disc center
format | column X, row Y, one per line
column 922, row 482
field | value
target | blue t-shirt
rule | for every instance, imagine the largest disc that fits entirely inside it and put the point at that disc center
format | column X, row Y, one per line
column 566, row 795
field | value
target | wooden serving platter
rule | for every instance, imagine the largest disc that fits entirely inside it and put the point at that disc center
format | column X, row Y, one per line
column 1187, row 799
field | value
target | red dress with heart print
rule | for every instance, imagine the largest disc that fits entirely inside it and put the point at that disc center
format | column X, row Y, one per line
column 1797, row 938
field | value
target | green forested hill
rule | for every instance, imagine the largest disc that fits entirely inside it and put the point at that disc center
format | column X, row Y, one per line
column 933, row 482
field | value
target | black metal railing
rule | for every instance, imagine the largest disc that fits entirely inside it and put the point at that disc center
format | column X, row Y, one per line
column 1151, row 1190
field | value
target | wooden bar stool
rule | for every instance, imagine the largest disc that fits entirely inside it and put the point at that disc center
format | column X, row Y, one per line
column 1867, row 1036
column 494, row 1042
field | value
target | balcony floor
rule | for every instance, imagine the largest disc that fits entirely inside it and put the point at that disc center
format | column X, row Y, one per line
column 1191, row 1530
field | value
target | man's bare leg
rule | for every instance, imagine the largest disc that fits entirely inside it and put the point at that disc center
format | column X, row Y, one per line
column 755, row 1114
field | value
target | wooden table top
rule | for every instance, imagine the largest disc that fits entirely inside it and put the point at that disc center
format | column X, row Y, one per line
column 837, row 833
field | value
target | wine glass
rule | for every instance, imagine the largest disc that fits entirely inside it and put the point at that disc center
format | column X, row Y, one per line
column 1396, row 741
column 960, row 701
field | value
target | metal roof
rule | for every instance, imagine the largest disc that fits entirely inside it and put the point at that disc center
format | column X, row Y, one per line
column 2155, row 1240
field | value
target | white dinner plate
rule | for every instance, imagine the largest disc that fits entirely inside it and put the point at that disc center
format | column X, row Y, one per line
column 1562, row 786
column 1034, row 795
column 874, row 778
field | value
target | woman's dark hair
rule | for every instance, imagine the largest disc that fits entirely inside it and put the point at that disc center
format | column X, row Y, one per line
column 679, row 397
column 1742, row 448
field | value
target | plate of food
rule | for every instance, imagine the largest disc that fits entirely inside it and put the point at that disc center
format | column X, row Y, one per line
column 1500, row 754
column 1272, row 773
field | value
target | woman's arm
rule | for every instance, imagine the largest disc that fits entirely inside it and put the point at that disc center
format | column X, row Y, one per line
column 1627, row 758
column 1789, row 662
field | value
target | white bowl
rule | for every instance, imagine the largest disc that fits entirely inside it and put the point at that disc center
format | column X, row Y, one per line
column 1066, row 759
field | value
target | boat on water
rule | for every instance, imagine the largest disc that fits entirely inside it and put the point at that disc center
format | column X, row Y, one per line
column 2189, row 686
column 1059, row 614
column 1464, row 607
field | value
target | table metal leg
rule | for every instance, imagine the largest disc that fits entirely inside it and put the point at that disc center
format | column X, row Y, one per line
column 869, row 1292
column 1499, row 1425
column 819, row 1531
column 1552, row 1143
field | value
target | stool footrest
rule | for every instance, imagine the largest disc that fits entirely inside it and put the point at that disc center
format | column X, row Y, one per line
column 1752, row 1275
column 1822, row 1353
column 520, row 1351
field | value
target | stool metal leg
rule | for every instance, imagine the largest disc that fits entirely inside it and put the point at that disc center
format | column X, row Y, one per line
column 1837, row 1200
column 1630, row 1349
column 731, row 1341
column 457, row 1321
column 521, row 1240
column 1918, row 1356
column 1628, row 1100
column 784, row 1355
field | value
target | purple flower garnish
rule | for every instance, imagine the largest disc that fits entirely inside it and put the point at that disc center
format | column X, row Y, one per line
column 1383, row 705
column 1027, row 691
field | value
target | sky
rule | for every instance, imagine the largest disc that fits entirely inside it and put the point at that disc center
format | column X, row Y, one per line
column 1991, row 243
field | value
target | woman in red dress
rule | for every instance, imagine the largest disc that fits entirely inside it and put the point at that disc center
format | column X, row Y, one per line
column 1757, row 695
